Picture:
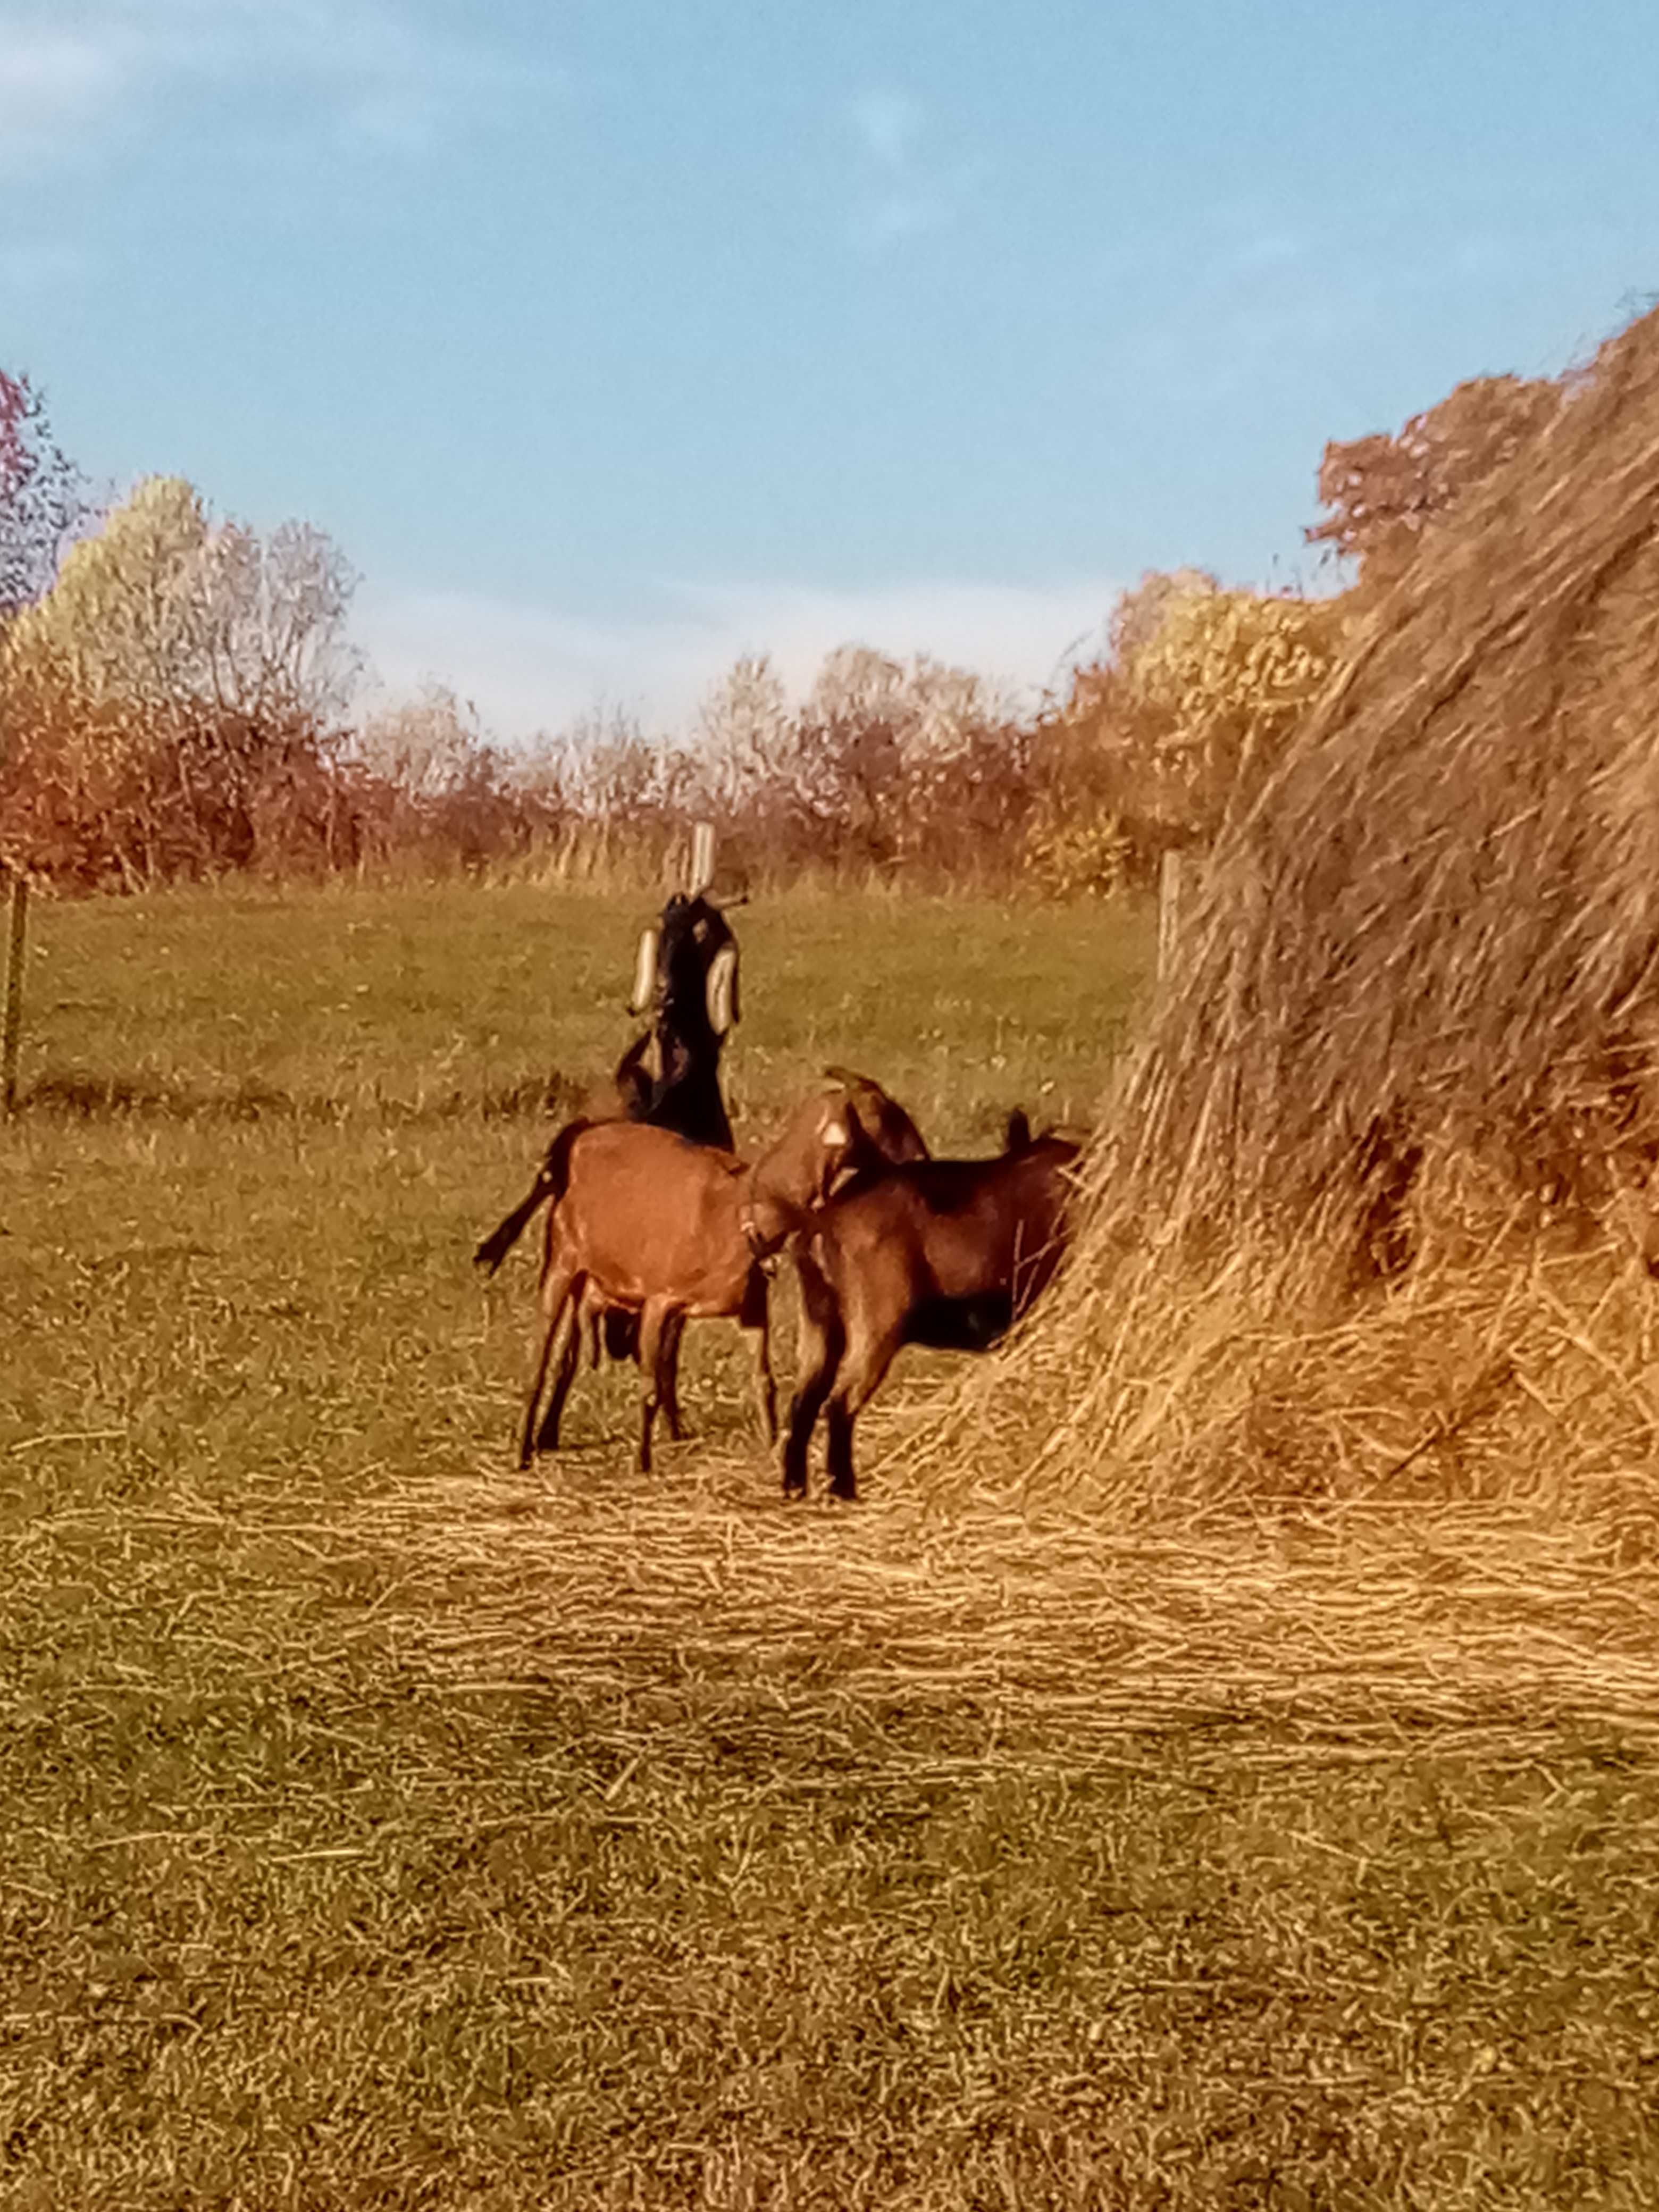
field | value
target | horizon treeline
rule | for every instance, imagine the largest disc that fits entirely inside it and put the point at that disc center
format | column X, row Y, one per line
column 180, row 699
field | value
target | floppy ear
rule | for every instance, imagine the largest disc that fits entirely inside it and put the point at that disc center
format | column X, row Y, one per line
column 848, row 1149
column 843, row 1132
column 645, row 971
column 722, row 989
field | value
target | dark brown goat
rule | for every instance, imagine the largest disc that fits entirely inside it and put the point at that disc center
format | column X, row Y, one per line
column 943, row 1253
column 644, row 1222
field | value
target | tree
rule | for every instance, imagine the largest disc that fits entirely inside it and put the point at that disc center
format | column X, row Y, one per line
column 273, row 620
column 42, row 496
column 885, row 764
column 746, row 724
column 173, row 699
column 1218, row 687
column 1384, row 492
column 425, row 747
column 934, row 705
column 118, row 627
column 1195, row 702
column 161, row 609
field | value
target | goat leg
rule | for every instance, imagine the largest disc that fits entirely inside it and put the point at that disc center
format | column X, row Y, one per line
column 838, row 1464
column 656, row 1324
column 821, row 1342
column 556, row 1292
column 866, row 1362
column 668, row 1387
column 547, row 1437
column 766, row 1389
column 527, row 1433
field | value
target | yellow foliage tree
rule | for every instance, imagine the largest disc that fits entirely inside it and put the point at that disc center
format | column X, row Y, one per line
column 1196, row 701
column 1217, row 688
column 121, row 624
column 176, row 680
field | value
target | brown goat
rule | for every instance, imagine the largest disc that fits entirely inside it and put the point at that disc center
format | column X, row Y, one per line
column 645, row 1222
column 881, row 1131
column 943, row 1253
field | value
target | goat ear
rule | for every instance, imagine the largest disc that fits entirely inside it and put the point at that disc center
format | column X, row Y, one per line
column 645, row 971
column 721, row 990
column 843, row 1130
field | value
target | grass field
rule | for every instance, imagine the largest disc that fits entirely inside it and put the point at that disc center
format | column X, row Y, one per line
column 387, row 1828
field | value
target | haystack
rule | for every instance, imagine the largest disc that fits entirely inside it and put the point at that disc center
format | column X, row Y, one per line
column 1438, row 927
column 1422, row 981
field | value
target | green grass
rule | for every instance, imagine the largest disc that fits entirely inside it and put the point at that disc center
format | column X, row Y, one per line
column 384, row 1828
column 423, row 1002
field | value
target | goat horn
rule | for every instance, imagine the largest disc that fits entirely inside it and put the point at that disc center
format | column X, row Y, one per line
column 645, row 972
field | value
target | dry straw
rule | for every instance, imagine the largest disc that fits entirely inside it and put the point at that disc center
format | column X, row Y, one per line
column 1363, row 1224
column 1440, row 919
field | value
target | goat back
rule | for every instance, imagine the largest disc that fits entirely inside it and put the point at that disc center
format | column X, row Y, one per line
column 956, row 1229
column 645, row 1213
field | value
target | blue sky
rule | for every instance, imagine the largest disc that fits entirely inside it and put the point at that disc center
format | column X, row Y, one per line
column 616, row 338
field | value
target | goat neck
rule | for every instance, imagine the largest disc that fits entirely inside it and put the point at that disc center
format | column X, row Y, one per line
column 786, row 1183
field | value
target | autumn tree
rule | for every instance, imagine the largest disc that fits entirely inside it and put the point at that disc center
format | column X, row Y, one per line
column 174, row 693
column 424, row 747
column 1195, row 703
column 885, row 764
column 163, row 609
column 43, row 498
column 1383, row 492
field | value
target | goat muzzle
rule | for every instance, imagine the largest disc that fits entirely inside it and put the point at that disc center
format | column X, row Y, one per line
column 766, row 1251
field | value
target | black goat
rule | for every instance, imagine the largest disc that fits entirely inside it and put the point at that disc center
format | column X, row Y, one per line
column 687, row 982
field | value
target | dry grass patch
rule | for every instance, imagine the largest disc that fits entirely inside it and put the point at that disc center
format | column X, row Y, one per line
column 385, row 1829
column 1378, row 1617
column 480, row 1843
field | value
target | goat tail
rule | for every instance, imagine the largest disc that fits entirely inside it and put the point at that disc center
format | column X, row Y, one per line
column 551, row 1178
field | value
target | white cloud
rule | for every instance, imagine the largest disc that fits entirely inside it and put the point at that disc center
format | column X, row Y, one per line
column 70, row 71
column 901, row 193
column 889, row 123
column 54, row 84
column 527, row 668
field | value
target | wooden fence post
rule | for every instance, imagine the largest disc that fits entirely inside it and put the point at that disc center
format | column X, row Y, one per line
column 11, row 1027
column 1168, row 916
